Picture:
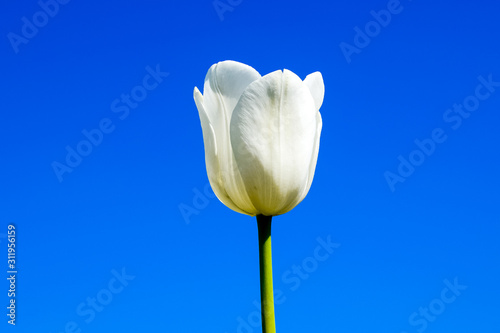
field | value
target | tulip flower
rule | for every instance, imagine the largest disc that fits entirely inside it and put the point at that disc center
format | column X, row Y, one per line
column 261, row 137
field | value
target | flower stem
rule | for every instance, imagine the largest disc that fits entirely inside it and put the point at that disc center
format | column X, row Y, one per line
column 266, row 274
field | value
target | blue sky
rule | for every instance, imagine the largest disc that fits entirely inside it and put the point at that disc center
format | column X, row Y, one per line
column 399, row 232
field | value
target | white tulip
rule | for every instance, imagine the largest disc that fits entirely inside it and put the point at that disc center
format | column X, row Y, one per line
column 261, row 136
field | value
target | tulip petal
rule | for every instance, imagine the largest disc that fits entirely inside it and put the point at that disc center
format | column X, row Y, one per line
column 224, row 84
column 314, row 160
column 211, row 157
column 314, row 82
column 273, row 135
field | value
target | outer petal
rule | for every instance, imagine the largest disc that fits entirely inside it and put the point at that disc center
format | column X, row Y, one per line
column 224, row 84
column 314, row 82
column 314, row 160
column 211, row 156
column 273, row 134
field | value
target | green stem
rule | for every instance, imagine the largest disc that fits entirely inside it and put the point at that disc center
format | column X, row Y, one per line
column 266, row 274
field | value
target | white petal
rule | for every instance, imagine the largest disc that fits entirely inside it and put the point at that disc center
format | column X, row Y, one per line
column 314, row 82
column 224, row 84
column 211, row 157
column 273, row 133
column 314, row 160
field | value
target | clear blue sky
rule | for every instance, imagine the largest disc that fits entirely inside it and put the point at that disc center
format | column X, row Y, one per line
column 405, row 191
